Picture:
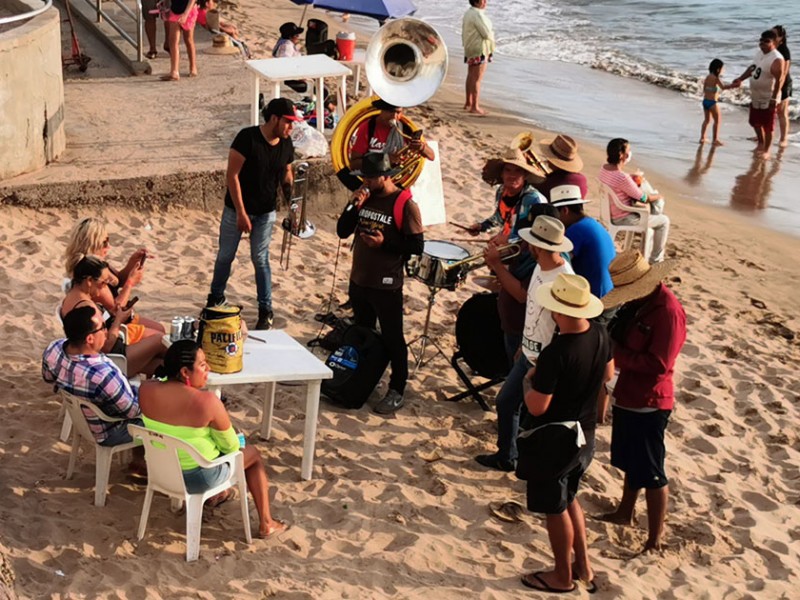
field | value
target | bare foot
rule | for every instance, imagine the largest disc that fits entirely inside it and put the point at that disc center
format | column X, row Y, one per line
column 702, row 141
column 652, row 547
column 783, row 143
column 718, row 143
column 170, row 77
column 765, row 155
column 752, row 139
column 193, row 74
column 617, row 518
column 478, row 111
column 273, row 528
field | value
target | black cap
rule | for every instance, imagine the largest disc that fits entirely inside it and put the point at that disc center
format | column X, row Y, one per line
column 382, row 104
column 289, row 30
column 376, row 164
column 280, row 107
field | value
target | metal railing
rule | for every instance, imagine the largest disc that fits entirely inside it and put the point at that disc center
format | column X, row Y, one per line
column 136, row 15
column 28, row 15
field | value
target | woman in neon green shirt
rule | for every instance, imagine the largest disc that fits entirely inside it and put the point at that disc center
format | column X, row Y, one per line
column 181, row 408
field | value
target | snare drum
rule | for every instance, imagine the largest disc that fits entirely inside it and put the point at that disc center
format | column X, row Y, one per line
column 431, row 266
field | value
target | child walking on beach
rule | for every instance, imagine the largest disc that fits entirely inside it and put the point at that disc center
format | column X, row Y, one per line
column 712, row 86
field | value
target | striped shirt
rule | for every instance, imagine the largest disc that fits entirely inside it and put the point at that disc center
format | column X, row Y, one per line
column 624, row 187
column 94, row 377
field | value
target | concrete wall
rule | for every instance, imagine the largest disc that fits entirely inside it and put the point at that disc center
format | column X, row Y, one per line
column 31, row 93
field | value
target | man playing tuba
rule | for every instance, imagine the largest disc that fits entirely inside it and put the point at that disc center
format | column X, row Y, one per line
column 385, row 133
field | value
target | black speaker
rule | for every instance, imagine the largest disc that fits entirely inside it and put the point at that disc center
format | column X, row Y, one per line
column 357, row 366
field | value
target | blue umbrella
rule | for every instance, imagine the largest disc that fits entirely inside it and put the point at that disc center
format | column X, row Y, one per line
column 377, row 9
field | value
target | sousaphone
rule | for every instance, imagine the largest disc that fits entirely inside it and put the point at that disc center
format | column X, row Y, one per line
column 406, row 62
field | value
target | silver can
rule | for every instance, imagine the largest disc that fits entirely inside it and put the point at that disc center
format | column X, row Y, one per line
column 188, row 328
column 176, row 329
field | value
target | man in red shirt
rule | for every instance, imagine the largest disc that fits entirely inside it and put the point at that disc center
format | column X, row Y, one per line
column 382, row 133
column 647, row 333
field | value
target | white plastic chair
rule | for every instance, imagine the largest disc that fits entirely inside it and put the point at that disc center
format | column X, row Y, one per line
column 103, row 454
column 608, row 198
column 164, row 475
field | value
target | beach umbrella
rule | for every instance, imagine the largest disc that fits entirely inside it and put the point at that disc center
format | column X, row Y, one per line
column 377, row 9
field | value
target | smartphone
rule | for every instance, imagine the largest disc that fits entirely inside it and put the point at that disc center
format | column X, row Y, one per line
column 131, row 302
column 141, row 262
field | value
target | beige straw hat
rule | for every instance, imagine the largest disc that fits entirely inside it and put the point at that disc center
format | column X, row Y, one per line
column 221, row 44
column 569, row 295
column 634, row 277
column 548, row 233
column 562, row 152
column 493, row 169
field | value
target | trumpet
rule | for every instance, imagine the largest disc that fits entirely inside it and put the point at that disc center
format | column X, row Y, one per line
column 476, row 261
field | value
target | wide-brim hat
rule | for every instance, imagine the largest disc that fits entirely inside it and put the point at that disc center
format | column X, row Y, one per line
column 221, row 44
column 376, row 164
column 547, row 233
column 493, row 169
column 569, row 295
column 562, row 152
column 566, row 195
column 634, row 277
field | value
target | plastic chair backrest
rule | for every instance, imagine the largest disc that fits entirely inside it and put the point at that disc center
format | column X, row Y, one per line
column 75, row 405
column 605, row 202
column 163, row 465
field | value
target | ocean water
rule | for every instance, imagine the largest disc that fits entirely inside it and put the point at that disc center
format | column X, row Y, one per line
column 667, row 43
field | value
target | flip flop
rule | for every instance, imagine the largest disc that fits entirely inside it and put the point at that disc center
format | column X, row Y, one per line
column 532, row 579
column 510, row 512
column 152, row 54
column 589, row 586
column 221, row 498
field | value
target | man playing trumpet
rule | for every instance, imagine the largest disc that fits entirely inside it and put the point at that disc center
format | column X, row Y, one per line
column 384, row 133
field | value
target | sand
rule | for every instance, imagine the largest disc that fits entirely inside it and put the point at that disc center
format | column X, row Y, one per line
column 397, row 507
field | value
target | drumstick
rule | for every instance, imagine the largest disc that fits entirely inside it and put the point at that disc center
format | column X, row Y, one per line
column 474, row 240
column 460, row 226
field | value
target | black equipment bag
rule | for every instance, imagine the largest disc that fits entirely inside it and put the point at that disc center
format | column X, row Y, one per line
column 357, row 366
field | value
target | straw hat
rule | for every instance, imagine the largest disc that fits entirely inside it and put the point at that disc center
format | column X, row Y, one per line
column 493, row 169
column 562, row 152
column 548, row 233
column 634, row 277
column 221, row 45
column 566, row 195
column 569, row 295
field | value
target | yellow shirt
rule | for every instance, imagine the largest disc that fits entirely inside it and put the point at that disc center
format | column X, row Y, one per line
column 477, row 35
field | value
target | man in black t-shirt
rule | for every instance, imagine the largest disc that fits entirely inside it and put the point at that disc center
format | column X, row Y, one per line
column 388, row 229
column 259, row 162
column 563, row 392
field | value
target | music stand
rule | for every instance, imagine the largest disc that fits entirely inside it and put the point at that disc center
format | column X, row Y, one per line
column 424, row 340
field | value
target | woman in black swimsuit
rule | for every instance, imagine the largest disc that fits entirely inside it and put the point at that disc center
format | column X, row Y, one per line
column 786, row 90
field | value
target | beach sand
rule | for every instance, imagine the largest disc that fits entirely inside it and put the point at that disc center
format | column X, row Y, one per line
column 396, row 506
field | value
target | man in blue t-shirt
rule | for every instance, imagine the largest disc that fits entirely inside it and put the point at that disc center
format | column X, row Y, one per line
column 593, row 249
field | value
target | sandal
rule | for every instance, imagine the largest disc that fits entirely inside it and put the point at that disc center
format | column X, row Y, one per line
column 152, row 54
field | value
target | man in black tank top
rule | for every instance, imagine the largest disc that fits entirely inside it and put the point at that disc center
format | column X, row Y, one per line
column 388, row 229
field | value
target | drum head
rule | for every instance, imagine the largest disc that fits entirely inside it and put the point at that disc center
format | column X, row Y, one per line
column 480, row 338
column 445, row 250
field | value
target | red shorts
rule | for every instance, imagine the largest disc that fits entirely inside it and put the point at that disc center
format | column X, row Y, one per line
column 763, row 118
column 191, row 18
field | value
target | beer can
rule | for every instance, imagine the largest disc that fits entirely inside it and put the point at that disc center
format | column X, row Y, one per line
column 188, row 328
column 176, row 329
column 241, row 440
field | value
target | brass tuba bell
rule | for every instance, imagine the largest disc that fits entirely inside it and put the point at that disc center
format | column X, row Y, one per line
column 406, row 62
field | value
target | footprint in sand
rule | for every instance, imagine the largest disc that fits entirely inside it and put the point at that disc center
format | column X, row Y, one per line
column 701, row 445
column 761, row 502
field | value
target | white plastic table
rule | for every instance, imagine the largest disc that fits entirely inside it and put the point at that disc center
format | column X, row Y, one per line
column 315, row 66
column 280, row 358
column 359, row 57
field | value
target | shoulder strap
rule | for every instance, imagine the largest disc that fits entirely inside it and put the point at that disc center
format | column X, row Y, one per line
column 399, row 208
column 371, row 128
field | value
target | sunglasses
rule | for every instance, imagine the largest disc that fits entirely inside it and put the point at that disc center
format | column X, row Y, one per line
column 99, row 329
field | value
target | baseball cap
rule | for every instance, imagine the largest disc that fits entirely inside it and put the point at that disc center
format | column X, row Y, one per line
column 280, row 107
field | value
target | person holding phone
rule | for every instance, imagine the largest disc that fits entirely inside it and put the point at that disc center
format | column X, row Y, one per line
column 89, row 237
column 388, row 228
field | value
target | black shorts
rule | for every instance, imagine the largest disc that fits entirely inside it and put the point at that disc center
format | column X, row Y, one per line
column 637, row 447
column 553, row 497
column 786, row 90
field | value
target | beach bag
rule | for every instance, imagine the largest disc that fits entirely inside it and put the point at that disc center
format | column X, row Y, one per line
column 221, row 338
column 549, row 451
column 357, row 366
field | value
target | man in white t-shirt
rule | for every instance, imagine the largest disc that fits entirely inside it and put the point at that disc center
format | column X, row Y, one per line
column 547, row 241
column 765, row 88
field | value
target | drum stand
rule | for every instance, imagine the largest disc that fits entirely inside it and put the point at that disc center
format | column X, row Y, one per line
column 425, row 339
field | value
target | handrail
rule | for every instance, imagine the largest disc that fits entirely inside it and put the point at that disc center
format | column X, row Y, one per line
column 136, row 15
column 28, row 15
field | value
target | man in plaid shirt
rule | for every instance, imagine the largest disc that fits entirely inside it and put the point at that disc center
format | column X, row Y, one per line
column 76, row 365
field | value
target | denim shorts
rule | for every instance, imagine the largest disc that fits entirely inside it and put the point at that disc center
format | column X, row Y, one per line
column 199, row 480
column 118, row 434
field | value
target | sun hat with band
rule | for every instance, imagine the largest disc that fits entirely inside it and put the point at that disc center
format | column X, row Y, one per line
column 376, row 164
column 634, row 277
column 548, row 233
column 562, row 153
column 569, row 295
column 566, row 195
column 493, row 169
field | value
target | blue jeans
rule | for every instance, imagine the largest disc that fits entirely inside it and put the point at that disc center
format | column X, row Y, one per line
column 260, row 236
column 199, row 480
column 509, row 404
